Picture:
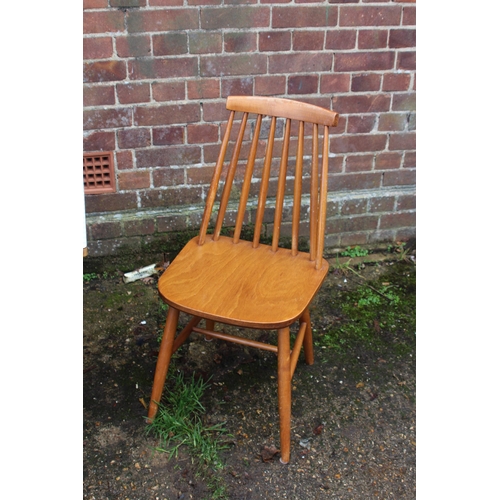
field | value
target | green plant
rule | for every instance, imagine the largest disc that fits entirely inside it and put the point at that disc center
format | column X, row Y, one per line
column 179, row 423
column 357, row 251
column 89, row 277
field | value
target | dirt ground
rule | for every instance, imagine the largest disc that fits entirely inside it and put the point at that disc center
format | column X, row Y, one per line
column 353, row 412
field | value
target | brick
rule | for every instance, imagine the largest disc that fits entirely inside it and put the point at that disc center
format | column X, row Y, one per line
column 167, row 114
column 104, row 71
column 360, row 124
column 358, row 143
column 392, row 122
column 270, row 85
column 353, row 207
column 335, row 83
column 132, row 138
column 359, row 163
column 105, row 230
column 234, row 17
column 407, row 60
column 409, row 16
column 110, row 202
column 361, row 103
column 138, row 227
column 340, row 39
column 133, row 46
column 270, row 41
column 363, row 61
column 404, row 102
column 110, row 21
column 406, row 202
column 168, row 44
column 402, row 141
column 385, row 161
column 372, row 39
column 98, row 141
column 353, row 224
column 240, row 42
column 124, row 160
column 387, row 15
column 351, row 239
column 350, row 182
column 237, row 86
column 166, row 3
column 171, row 197
column 397, row 220
column 215, row 111
column 237, row 64
column 203, row 88
column 168, row 91
column 171, row 223
column 304, row 17
column 410, row 160
column 300, row 63
column 402, row 38
column 94, row 4
column 382, row 204
column 303, row 84
column 366, row 82
column 98, row 95
column 308, row 40
column 175, row 67
column 133, row 180
column 199, row 175
column 202, row 133
column 129, row 93
column 168, row 177
column 396, row 81
column 107, row 118
column 205, row 42
column 401, row 177
column 127, row 3
column 166, row 156
column 168, row 136
column 412, row 121
column 97, row 48
column 162, row 20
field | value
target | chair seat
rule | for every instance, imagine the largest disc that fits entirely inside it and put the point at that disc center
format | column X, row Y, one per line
column 244, row 286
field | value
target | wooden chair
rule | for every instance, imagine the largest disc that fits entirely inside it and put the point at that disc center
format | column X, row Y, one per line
column 246, row 283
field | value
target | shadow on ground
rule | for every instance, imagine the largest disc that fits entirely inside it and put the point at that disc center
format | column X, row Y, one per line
column 353, row 410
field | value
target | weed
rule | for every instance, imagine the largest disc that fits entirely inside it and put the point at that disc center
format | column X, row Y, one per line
column 357, row 251
column 89, row 277
column 179, row 422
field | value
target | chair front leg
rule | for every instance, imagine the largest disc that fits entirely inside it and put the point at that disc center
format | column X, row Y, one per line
column 308, row 340
column 166, row 348
column 284, row 392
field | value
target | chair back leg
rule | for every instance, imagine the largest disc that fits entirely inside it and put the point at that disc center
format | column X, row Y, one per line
column 164, row 356
column 284, row 392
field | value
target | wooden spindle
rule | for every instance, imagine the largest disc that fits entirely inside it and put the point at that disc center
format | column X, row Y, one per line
column 230, row 177
column 247, row 181
column 313, row 208
column 215, row 182
column 297, row 191
column 323, row 200
column 264, row 184
column 280, row 195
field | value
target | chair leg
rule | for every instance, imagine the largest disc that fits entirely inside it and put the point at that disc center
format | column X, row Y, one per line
column 209, row 325
column 284, row 392
column 163, row 361
column 308, row 340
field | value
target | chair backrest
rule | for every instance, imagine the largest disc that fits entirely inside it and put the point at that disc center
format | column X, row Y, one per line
column 248, row 143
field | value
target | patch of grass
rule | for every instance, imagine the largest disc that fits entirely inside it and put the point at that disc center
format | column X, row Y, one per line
column 179, row 422
column 377, row 315
column 357, row 251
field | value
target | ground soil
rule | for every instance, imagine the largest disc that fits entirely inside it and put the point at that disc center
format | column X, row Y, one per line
column 353, row 414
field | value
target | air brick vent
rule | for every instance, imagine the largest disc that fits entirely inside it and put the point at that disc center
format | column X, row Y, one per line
column 98, row 173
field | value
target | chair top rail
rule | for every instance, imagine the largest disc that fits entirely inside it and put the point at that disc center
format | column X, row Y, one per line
column 283, row 108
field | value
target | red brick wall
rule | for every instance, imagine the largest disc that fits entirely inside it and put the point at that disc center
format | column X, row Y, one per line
column 156, row 75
